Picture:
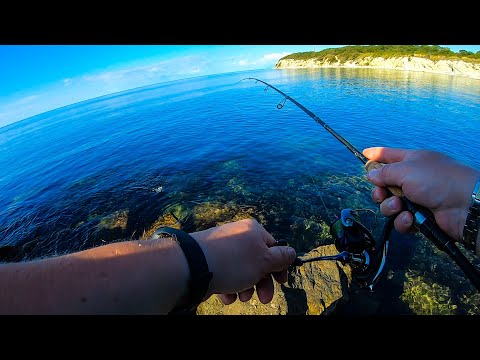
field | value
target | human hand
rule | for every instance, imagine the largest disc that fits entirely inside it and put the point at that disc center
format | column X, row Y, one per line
column 242, row 257
column 428, row 178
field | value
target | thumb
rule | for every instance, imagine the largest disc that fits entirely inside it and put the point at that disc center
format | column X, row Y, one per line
column 386, row 155
column 280, row 258
column 387, row 175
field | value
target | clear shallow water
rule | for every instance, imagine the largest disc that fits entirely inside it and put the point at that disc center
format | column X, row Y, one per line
column 107, row 168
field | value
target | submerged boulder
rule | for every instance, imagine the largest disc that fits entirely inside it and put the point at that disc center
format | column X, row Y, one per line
column 314, row 288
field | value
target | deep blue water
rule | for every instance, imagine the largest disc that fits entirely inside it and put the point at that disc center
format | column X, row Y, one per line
column 66, row 172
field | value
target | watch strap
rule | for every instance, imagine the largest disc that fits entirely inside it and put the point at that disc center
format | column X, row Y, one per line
column 200, row 275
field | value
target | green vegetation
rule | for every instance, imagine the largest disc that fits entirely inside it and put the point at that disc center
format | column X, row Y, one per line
column 356, row 52
column 425, row 298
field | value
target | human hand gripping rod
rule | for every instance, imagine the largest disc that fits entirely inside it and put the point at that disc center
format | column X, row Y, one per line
column 423, row 218
column 425, row 222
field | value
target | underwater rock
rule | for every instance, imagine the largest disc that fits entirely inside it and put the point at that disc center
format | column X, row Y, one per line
column 167, row 219
column 314, row 288
column 105, row 229
column 118, row 219
column 210, row 214
column 202, row 216
column 308, row 234
column 434, row 285
column 427, row 298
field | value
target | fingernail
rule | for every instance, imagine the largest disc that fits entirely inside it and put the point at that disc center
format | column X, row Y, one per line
column 372, row 174
column 393, row 206
column 291, row 253
column 405, row 219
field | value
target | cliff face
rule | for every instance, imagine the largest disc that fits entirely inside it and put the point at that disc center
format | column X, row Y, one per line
column 450, row 67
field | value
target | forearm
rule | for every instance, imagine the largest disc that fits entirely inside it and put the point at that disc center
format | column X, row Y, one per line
column 126, row 277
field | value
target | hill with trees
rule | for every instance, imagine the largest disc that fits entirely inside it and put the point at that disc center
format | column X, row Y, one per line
column 429, row 58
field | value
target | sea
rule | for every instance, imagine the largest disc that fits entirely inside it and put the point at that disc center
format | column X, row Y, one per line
column 207, row 150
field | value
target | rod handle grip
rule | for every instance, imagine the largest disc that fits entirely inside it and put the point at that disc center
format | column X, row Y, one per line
column 371, row 164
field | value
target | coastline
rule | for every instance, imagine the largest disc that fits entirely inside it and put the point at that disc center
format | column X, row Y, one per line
column 446, row 67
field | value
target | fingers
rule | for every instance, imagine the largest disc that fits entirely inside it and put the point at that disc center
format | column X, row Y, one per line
column 281, row 276
column 227, row 299
column 403, row 222
column 246, row 295
column 385, row 154
column 280, row 257
column 268, row 238
column 391, row 206
column 379, row 194
column 265, row 290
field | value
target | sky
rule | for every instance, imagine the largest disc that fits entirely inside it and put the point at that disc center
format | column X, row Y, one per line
column 38, row 78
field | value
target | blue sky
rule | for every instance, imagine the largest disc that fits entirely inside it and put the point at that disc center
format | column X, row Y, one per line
column 38, row 78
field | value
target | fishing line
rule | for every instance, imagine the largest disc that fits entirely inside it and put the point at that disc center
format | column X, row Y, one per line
column 319, row 193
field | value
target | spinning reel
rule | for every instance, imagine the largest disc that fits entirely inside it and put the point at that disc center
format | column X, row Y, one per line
column 357, row 247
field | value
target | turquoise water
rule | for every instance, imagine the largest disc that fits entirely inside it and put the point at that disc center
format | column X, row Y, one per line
column 108, row 168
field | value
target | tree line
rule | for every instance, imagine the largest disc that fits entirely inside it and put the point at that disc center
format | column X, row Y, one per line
column 355, row 52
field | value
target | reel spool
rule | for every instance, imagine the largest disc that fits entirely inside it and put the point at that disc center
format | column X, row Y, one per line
column 357, row 247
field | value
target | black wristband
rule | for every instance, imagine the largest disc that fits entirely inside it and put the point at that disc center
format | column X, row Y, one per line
column 200, row 275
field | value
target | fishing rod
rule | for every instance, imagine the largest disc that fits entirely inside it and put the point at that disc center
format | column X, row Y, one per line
column 423, row 219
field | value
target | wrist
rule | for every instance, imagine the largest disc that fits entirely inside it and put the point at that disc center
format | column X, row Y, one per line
column 199, row 272
column 202, row 239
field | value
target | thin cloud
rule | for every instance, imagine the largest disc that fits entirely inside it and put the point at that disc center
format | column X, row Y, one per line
column 264, row 60
column 25, row 100
column 102, row 83
column 161, row 70
column 73, row 89
column 274, row 56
